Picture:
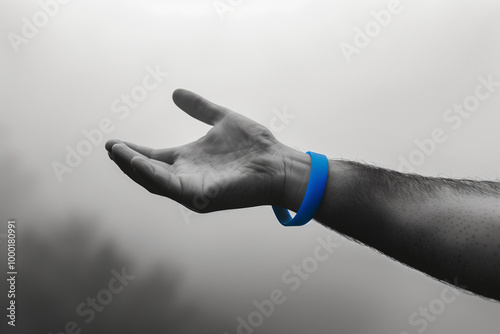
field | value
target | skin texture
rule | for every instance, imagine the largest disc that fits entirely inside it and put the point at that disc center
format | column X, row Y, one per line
column 448, row 229
column 237, row 164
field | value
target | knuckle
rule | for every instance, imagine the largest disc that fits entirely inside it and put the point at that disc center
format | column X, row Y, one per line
column 154, row 154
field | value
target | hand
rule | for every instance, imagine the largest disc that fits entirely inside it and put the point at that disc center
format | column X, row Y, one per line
column 238, row 163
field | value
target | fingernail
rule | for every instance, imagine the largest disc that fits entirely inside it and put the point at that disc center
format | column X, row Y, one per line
column 138, row 161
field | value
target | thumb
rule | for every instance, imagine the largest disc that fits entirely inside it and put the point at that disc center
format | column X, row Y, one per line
column 199, row 107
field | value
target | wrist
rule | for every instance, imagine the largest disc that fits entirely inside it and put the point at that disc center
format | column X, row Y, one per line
column 295, row 176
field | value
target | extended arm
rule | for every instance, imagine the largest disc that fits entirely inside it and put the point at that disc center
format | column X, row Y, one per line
column 449, row 229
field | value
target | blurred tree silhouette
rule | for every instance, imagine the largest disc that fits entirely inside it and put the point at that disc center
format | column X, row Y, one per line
column 57, row 274
column 61, row 267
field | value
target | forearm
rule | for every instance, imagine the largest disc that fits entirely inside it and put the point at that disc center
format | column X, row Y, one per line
column 448, row 229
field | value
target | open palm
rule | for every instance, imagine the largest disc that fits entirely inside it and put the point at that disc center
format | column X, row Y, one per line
column 238, row 163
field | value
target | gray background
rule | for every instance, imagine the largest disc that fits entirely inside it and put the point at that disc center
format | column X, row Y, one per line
column 198, row 273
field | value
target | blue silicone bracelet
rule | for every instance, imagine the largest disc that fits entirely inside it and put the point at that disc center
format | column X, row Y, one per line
column 312, row 198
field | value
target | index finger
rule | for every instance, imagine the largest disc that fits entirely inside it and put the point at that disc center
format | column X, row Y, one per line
column 167, row 155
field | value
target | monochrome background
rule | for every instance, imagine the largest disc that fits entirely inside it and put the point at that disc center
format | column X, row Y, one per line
column 265, row 59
